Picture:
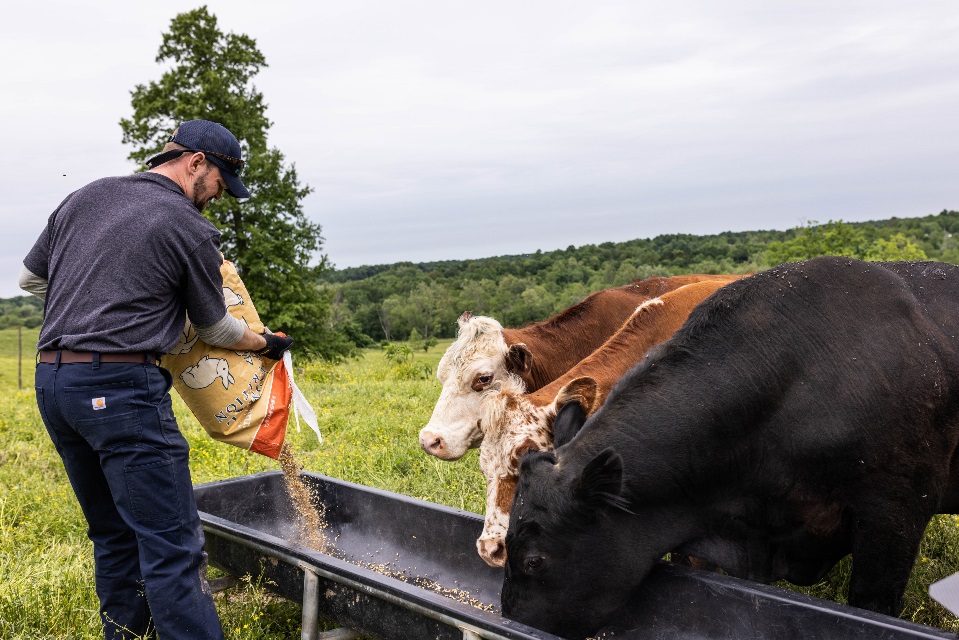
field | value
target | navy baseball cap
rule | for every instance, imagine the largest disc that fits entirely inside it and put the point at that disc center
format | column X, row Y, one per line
column 220, row 147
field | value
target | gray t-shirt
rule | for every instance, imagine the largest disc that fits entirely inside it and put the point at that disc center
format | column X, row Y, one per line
column 125, row 258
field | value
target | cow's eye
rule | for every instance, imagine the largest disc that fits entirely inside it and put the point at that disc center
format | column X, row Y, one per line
column 480, row 383
column 532, row 564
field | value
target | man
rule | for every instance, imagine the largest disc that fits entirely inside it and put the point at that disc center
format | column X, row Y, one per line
column 119, row 263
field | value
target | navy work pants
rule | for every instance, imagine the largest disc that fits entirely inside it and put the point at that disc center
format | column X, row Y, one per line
column 113, row 426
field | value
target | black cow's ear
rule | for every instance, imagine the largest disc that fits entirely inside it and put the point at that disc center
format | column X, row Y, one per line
column 519, row 359
column 567, row 424
column 602, row 478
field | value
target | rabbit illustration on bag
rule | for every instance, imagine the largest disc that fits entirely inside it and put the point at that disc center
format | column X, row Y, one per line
column 206, row 370
column 187, row 339
column 231, row 297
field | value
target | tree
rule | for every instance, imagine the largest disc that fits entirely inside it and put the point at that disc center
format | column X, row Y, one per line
column 811, row 241
column 274, row 246
column 428, row 307
column 896, row 247
column 415, row 340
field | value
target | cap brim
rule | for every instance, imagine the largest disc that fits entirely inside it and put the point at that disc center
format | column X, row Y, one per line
column 234, row 186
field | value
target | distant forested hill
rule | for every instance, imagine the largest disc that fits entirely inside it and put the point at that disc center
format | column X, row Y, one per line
column 392, row 301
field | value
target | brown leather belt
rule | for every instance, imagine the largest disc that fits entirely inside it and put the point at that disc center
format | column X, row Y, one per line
column 70, row 357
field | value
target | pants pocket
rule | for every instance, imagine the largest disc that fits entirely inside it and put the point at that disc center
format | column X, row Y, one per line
column 152, row 488
column 110, row 431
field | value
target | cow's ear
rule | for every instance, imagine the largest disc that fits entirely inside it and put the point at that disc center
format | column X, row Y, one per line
column 463, row 319
column 567, row 424
column 528, row 446
column 602, row 480
column 519, row 359
column 581, row 390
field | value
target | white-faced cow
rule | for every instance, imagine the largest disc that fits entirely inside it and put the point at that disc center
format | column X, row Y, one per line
column 485, row 352
column 800, row 415
column 516, row 423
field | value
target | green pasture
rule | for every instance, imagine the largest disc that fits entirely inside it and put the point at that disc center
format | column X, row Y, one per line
column 370, row 411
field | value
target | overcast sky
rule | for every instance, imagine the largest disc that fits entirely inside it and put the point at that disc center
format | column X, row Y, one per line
column 445, row 130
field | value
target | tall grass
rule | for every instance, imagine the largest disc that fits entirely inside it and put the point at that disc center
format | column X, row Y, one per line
column 369, row 410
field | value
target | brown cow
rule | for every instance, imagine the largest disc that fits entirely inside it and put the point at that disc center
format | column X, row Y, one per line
column 484, row 352
column 516, row 423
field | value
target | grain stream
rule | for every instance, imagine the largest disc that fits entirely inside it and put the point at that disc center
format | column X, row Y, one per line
column 311, row 521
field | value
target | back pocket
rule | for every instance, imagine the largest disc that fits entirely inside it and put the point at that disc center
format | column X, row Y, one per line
column 109, row 431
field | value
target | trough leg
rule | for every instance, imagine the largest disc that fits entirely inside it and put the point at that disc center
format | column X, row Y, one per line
column 311, row 606
column 311, row 613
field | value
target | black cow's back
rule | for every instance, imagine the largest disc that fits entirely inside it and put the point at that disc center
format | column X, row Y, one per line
column 810, row 363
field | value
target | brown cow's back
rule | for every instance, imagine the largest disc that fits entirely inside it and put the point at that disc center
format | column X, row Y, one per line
column 560, row 342
column 652, row 324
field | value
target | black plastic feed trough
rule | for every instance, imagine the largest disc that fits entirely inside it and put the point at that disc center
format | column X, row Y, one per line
column 407, row 569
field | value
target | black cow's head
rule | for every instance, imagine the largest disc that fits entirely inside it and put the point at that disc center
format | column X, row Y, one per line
column 565, row 533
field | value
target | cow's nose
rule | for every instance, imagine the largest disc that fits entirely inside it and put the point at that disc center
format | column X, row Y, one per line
column 432, row 443
column 493, row 552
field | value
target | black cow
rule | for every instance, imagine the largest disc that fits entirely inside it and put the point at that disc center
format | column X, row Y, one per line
column 800, row 415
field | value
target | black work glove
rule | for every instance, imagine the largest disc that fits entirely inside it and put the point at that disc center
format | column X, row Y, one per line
column 276, row 344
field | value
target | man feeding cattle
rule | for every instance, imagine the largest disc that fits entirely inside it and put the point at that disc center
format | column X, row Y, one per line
column 800, row 415
column 119, row 263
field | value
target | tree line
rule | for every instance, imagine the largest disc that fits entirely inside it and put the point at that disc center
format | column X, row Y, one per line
column 421, row 301
column 391, row 302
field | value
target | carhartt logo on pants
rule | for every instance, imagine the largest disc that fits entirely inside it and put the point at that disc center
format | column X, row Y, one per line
column 99, row 403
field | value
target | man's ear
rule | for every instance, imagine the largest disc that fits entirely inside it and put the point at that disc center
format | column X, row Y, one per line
column 195, row 161
column 519, row 359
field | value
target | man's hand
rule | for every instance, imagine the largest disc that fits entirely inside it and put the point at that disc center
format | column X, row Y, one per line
column 276, row 345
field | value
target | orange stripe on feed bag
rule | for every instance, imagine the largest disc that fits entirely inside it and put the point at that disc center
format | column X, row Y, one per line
column 269, row 438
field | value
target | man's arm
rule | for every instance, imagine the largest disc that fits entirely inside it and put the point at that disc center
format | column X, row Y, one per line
column 205, row 287
column 249, row 342
column 32, row 283
column 231, row 333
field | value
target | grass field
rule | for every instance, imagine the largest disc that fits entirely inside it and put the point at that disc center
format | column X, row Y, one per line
column 369, row 416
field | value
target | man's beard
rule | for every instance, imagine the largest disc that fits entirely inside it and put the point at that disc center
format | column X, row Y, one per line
column 200, row 187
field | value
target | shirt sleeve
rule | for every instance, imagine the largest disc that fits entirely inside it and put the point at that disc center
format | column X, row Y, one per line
column 38, row 260
column 203, row 287
column 32, row 283
column 225, row 333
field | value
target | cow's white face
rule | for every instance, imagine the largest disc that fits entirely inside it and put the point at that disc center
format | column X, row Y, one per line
column 471, row 365
column 515, row 426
